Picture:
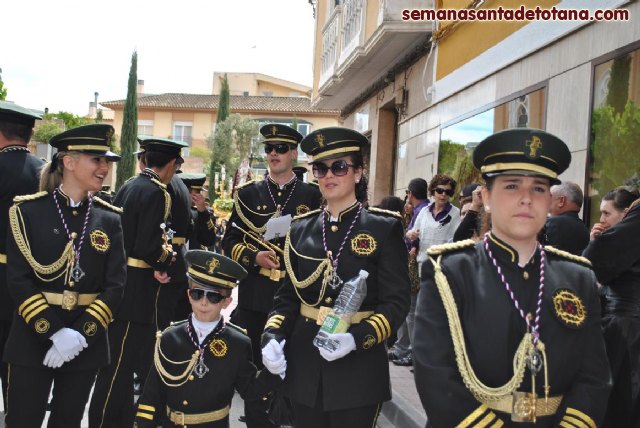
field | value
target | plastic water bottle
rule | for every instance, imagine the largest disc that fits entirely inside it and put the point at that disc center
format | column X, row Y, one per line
column 347, row 304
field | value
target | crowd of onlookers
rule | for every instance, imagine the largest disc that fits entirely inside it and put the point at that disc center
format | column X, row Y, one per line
column 612, row 246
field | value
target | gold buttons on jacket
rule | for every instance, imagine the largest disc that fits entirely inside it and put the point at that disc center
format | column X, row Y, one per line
column 525, row 275
column 191, row 377
column 328, row 300
column 334, row 228
column 185, row 403
column 279, row 193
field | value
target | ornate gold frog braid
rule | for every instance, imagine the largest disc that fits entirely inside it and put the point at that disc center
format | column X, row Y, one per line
column 22, row 241
column 245, row 220
column 183, row 377
column 480, row 391
column 325, row 265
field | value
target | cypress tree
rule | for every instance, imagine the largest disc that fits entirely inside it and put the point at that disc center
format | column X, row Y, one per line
column 223, row 113
column 223, row 105
column 129, row 133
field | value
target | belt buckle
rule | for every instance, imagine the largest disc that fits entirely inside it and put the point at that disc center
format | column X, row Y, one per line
column 523, row 407
column 177, row 417
column 69, row 300
column 274, row 275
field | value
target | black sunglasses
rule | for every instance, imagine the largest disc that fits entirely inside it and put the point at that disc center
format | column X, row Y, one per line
column 338, row 168
column 213, row 296
column 440, row 191
column 280, row 149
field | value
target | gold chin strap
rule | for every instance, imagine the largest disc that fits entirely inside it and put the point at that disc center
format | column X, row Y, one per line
column 19, row 233
column 480, row 391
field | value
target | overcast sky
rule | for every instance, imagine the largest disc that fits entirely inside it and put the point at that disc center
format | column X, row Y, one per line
column 56, row 54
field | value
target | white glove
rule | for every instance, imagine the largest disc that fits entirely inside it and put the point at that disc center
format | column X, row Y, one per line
column 53, row 359
column 346, row 343
column 273, row 357
column 68, row 342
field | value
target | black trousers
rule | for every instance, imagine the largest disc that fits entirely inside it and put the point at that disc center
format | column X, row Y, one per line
column 316, row 417
column 5, row 327
column 255, row 410
column 28, row 394
column 112, row 404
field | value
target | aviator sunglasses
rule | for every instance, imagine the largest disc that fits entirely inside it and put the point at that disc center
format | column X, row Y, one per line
column 339, row 168
column 440, row 191
column 213, row 296
column 280, row 149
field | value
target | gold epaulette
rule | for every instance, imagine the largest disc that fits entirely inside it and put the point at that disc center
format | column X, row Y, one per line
column 107, row 205
column 32, row 197
column 387, row 212
column 129, row 179
column 242, row 186
column 567, row 255
column 307, row 214
column 159, row 183
column 449, row 247
column 237, row 327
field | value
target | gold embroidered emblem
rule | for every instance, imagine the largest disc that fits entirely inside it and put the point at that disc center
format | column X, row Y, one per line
column 320, row 140
column 42, row 325
column 534, row 145
column 212, row 265
column 363, row 244
column 569, row 308
column 245, row 260
column 218, row 347
column 368, row 341
column 302, row 209
column 99, row 241
column 90, row 328
column 523, row 407
column 274, row 130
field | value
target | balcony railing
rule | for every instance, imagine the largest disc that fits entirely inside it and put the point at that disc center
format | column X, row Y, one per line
column 330, row 45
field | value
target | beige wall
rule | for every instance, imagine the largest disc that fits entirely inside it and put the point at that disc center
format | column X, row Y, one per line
column 255, row 84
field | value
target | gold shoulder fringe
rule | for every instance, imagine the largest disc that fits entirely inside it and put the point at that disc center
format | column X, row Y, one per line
column 159, row 183
column 449, row 247
column 307, row 214
column 32, row 197
column 242, row 186
column 107, row 205
column 237, row 327
column 567, row 255
column 387, row 212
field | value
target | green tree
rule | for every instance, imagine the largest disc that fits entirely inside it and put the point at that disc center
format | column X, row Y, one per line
column 618, row 87
column 230, row 144
column 448, row 154
column 99, row 116
column 3, row 90
column 128, row 139
column 294, row 123
column 45, row 130
column 70, row 120
column 223, row 104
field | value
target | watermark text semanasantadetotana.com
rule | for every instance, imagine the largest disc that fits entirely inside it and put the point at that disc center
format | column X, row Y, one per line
column 520, row 14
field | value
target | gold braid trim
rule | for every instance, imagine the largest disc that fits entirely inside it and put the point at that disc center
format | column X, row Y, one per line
column 451, row 246
column 245, row 220
column 182, row 378
column 387, row 212
column 167, row 198
column 325, row 265
column 32, row 197
column 22, row 241
column 480, row 391
column 567, row 255
column 307, row 214
column 108, row 205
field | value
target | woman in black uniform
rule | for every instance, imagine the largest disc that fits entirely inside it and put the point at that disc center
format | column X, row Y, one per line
column 65, row 273
column 347, row 386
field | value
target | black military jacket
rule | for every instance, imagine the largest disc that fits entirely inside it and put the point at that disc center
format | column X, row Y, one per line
column 180, row 222
column 376, row 245
column 566, row 232
column 203, row 230
column 252, row 209
column 493, row 329
column 228, row 358
column 19, row 175
column 102, row 259
column 146, row 204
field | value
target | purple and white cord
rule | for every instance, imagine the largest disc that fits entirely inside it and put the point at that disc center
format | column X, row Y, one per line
column 295, row 181
column 535, row 327
column 334, row 261
column 77, row 248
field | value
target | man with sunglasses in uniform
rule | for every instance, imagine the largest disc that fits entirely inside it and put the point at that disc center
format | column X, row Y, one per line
column 255, row 203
